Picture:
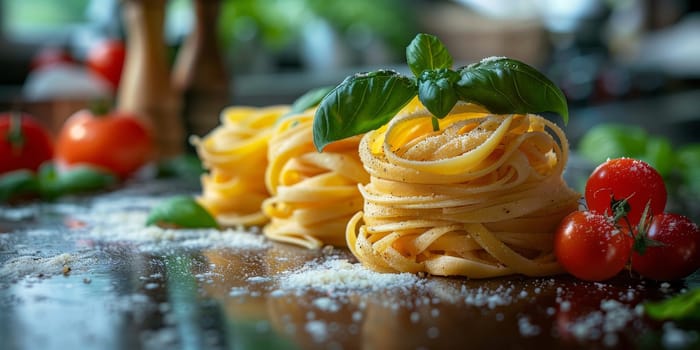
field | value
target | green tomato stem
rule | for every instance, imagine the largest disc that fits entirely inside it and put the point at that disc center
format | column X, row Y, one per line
column 436, row 123
column 14, row 135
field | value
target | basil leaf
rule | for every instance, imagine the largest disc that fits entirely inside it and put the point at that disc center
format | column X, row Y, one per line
column 361, row 103
column 436, row 91
column 426, row 52
column 182, row 212
column 310, row 99
column 49, row 188
column 85, row 178
column 682, row 307
column 77, row 179
column 503, row 85
column 18, row 183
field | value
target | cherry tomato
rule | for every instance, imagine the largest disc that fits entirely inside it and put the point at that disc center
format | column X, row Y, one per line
column 626, row 178
column 106, row 59
column 678, row 257
column 118, row 142
column 590, row 247
column 24, row 143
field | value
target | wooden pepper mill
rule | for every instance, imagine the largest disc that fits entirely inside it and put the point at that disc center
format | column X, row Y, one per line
column 145, row 87
column 199, row 75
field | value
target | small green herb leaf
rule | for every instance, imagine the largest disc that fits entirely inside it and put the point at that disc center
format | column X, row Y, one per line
column 683, row 307
column 310, row 99
column 503, row 85
column 426, row 52
column 18, row 183
column 361, row 103
column 78, row 179
column 436, row 91
column 181, row 212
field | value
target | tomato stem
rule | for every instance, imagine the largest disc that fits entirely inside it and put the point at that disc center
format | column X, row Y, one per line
column 100, row 107
column 641, row 239
column 15, row 136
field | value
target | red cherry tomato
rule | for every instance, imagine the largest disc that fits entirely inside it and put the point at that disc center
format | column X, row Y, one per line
column 24, row 143
column 118, row 142
column 590, row 247
column 680, row 254
column 106, row 59
column 629, row 178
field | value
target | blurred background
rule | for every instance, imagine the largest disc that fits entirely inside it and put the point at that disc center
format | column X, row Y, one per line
column 629, row 63
column 629, row 68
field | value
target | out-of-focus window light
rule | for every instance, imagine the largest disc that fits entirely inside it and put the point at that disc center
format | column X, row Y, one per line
column 42, row 20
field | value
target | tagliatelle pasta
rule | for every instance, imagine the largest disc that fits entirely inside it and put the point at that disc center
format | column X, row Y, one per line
column 481, row 197
column 313, row 195
column 235, row 153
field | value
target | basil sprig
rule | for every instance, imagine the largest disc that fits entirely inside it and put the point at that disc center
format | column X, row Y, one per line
column 366, row 101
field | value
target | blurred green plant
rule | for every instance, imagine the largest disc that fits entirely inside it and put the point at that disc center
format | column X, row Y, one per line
column 30, row 16
column 279, row 23
column 605, row 141
column 679, row 166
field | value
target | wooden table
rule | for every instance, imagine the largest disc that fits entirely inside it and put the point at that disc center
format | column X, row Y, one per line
column 159, row 293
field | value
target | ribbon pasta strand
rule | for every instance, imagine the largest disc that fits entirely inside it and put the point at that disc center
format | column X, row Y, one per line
column 480, row 197
column 235, row 153
column 313, row 195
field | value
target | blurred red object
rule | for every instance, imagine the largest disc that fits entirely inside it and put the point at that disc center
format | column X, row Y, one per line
column 50, row 55
column 24, row 143
column 106, row 59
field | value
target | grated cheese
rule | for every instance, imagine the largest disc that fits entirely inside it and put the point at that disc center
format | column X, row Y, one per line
column 337, row 275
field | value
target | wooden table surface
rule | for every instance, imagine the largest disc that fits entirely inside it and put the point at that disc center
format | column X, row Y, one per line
column 160, row 293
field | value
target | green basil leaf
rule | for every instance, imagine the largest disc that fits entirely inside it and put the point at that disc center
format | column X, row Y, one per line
column 503, row 85
column 310, row 99
column 182, row 212
column 361, row 103
column 49, row 188
column 18, row 183
column 78, row 179
column 426, row 52
column 436, row 91
column 85, row 178
column 682, row 307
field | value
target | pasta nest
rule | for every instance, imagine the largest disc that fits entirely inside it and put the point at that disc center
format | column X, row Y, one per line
column 235, row 154
column 313, row 195
column 480, row 197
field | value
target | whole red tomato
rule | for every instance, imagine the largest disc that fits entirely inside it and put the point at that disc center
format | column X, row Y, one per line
column 106, row 59
column 118, row 142
column 590, row 247
column 24, row 143
column 626, row 178
column 679, row 253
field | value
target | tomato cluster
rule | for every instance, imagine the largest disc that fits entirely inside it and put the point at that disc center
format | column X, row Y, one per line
column 625, row 222
column 92, row 151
